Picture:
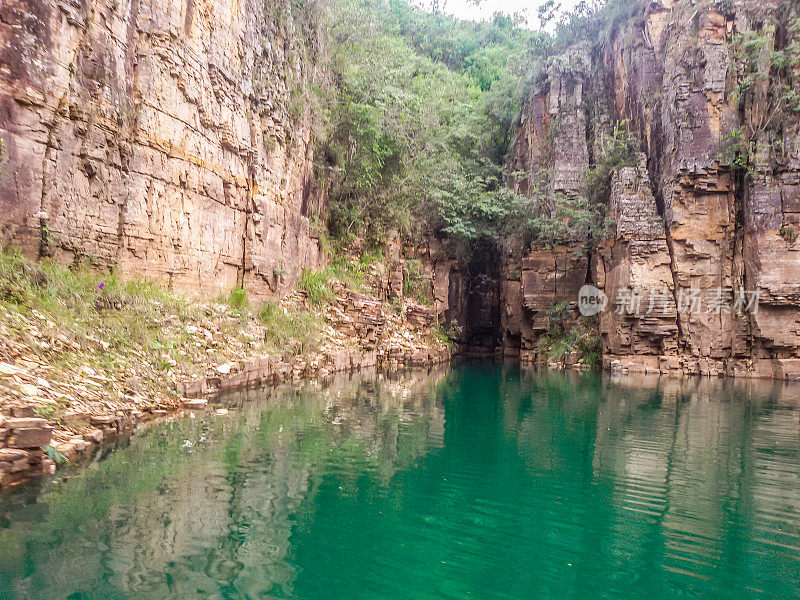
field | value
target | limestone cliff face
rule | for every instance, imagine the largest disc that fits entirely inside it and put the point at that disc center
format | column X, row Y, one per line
column 169, row 139
column 685, row 218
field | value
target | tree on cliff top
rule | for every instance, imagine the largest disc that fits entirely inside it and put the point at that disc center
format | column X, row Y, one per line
column 422, row 116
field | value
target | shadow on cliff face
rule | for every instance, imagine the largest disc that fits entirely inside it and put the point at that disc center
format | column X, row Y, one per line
column 482, row 310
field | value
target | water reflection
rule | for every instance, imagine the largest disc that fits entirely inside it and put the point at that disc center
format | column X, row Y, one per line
column 203, row 507
column 535, row 485
column 695, row 481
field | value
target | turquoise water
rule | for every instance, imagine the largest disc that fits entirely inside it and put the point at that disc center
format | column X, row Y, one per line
column 479, row 482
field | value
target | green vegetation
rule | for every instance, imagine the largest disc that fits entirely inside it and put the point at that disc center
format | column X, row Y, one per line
column 449, row 333
column 420, row 116
column 422, row 119
column 80, row 316
column 55, row 455
column 733, row 151
column 238, row 299
column 86, row 303
column 618, row 149
column 768, row 90
column 416, row 283
column 788, row 233
column 317, row 285
column 347, row 270
column 287, row 327
column 568, row 334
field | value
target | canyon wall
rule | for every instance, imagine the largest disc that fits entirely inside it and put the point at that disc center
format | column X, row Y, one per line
column 710, row 209
column 170, row 139
column 173, row 141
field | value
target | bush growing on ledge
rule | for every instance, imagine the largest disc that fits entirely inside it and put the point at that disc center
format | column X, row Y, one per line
column 618, row 149
column 552, row 220
column 449, row 333
column 568, row 334
column 416, row 283
column 788, row 233
column 316, row 285
column 733, row 151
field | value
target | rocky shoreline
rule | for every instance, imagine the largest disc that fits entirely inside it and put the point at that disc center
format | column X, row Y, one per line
column 32, row 446
column 62, row 393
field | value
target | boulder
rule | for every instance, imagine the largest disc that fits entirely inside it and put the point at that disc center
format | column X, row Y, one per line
column 30, row 437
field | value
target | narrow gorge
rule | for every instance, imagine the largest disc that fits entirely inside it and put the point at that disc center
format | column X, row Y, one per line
column 175, row 141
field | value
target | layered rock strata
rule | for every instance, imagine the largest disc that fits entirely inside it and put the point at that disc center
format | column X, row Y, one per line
column 166, row 140
column 712, row 207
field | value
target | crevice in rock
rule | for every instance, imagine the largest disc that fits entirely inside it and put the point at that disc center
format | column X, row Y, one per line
column 739, row 267
column 673, row 267
column 44, row 210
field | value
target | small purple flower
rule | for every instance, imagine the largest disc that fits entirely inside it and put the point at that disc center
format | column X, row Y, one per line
column 101, row 285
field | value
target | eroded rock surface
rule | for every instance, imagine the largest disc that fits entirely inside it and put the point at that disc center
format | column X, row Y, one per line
column 687, row 218
column 165, row 139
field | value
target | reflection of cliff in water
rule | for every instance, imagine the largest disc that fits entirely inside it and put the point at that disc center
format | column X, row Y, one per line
column 205, row 507
column 676, row 463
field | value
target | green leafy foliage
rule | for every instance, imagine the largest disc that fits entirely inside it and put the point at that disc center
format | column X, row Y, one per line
column 449, row 333
column 768, row 87
column 733, row 151
column 317, row 286
column 593, row 21
column 618, row 149
column 788, row 233
column 55, row 455
column 567, row 334
column 417, row 283
column 424, row 113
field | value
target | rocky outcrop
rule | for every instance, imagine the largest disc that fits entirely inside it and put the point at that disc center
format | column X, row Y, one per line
column 633, row 268
column 168, row 140
column 710, row 211
column 531, row 287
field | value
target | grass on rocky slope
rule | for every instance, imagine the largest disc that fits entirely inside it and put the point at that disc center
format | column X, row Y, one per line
column 79, row 340
column 288, row 327
column 351, row 271
column 69, row 315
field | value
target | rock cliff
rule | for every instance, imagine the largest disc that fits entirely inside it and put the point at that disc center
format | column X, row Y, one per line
column 169, row 139
column 174, row 141
column 711, row 208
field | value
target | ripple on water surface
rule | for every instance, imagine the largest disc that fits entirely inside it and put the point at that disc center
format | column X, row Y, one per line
column 477, row 482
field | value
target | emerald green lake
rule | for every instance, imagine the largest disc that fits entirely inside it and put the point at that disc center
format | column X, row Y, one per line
column 480, row 481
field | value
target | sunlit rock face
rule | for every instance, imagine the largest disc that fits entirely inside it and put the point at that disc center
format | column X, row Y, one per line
column 684, row 218
column 163, row 138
